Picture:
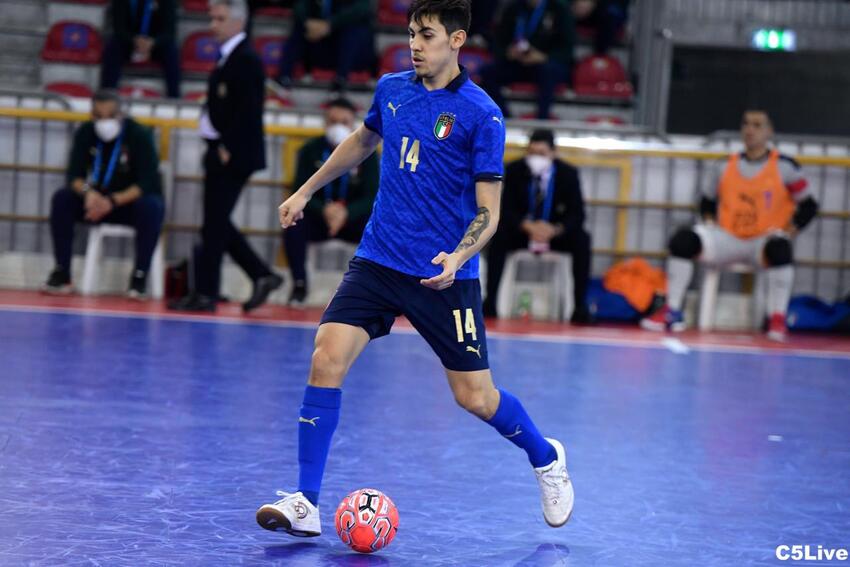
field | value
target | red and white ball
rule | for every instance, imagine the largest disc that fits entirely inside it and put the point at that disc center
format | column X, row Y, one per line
column 366, row 520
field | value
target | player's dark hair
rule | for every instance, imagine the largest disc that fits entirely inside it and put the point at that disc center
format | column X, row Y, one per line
column 543, row 135
column 453, row 14
column 341, row 102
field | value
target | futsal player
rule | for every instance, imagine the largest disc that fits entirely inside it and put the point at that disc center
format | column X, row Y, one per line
column 437, row 206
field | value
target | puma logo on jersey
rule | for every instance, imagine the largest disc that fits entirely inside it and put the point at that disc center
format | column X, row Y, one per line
column 475, row 350
column 393, row 108
column 514, row 434
column 497, row 119
column 311, row 421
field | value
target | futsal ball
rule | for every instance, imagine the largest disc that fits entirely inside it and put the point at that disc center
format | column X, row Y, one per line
column 366, row 520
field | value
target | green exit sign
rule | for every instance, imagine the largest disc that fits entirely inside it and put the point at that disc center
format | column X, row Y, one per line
column 775, row 39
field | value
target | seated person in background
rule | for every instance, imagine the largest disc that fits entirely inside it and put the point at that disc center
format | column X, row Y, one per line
column 142, row 31
column 760, row 200
column 254, row 5
column 481, row 26
column 534, row 43
column 332, row 35
column 112, row 177
column 542, row 210
column 605, row 17
column 341, row 209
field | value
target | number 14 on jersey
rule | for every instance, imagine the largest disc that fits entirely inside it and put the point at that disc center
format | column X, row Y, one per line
column 412, row 157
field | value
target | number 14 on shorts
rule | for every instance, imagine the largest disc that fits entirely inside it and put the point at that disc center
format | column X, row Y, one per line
column 465, row 323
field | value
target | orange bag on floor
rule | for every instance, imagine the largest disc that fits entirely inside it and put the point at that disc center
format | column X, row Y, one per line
column 637, row 281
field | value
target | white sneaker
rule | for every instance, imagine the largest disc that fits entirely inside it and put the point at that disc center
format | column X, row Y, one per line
column 556, row 489
column 293, row 514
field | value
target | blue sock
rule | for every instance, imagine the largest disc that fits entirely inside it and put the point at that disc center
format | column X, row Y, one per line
column 316, row 425
column 514, row 424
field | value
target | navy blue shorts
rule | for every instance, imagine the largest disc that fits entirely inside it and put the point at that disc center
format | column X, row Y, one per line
column 371, row 296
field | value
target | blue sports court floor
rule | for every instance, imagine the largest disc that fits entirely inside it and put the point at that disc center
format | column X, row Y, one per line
column 139, row 439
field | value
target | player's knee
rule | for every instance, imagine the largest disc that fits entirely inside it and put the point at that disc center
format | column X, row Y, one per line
column 778, row 252
column 327, row 369
column 476, row 402
column 685, row 243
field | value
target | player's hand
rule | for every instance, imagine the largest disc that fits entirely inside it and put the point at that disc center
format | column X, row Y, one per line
column 292, row 210
column 450, row 263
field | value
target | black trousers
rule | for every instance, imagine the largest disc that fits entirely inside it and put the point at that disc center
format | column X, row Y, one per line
column 313, row 228
column 347, row 49
column 145, row 214
column 117, row 52
column 222, row 187
column 575, row 242
column 547, row 76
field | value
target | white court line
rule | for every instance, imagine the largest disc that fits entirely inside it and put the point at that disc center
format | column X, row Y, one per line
column 675, row 345
column 662, row 344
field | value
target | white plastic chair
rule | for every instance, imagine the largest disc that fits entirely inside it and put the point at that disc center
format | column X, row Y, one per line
column 327, row 263
column 546, row 278
column 99, row 232
column 711, row 284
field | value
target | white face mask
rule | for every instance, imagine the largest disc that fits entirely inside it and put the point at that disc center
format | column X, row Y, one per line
column 337, row 133
column 538, row 164
column 107, row 129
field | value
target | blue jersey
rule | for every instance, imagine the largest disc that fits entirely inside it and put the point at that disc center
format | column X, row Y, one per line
column 437, row 144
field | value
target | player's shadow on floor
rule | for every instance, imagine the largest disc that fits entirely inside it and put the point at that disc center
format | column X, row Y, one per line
column 356, row 560
column 300, row 549
column 289, row 550
column 546, row 555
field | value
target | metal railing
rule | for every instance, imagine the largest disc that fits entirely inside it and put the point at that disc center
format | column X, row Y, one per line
column 635, row 193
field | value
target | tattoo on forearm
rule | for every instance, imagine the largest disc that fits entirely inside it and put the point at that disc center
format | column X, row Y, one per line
column 476, row 227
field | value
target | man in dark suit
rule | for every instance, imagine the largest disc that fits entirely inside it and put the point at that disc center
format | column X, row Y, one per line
column 232, row 125
column 542, row 209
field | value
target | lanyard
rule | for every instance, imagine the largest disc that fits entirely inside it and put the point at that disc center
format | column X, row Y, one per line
column 326, row 9
column 525, row 31
column 110, row 169
column 146, row 16
column 343, row 184
column 547, row 204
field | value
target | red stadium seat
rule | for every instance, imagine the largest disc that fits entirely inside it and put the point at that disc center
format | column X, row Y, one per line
column 474, row 59
column 602, row 76
column 199, row 52
column 328, row 75
column 277, row 101
column 196, row 96
column 196, row 5
column 270, row 49
column 274, row 12
column 133, row 91
column 396, row 58
column 531, row 89
column 393, row 12
column 69, row 89
column 605, row 120
column 72, row 42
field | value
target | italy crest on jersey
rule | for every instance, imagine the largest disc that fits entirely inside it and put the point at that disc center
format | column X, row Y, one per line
column 443, row 127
